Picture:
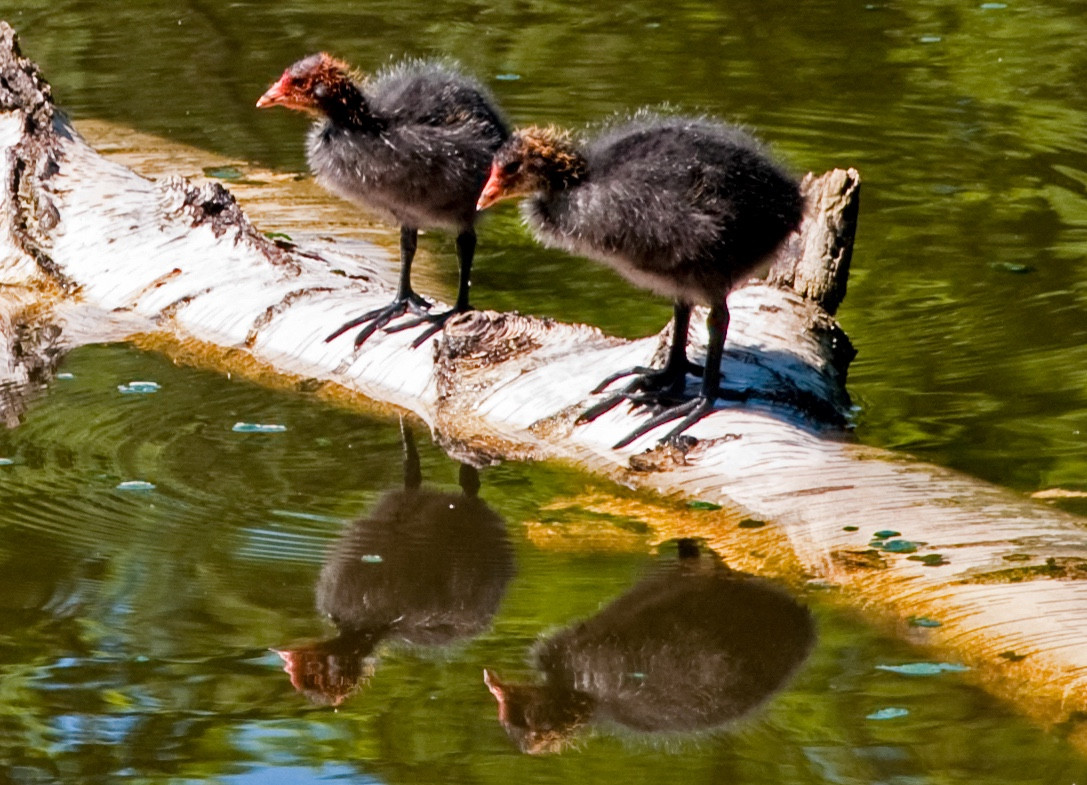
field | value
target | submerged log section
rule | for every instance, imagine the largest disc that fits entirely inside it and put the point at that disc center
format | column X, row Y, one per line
column 181, row 262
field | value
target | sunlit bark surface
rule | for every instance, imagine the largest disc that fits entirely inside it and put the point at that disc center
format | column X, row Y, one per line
column 178, row 266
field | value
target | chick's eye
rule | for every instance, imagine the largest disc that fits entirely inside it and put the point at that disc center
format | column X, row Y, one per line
column 511, row 167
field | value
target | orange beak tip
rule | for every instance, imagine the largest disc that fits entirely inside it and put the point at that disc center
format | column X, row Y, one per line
column 276, row 94
column 491, row 194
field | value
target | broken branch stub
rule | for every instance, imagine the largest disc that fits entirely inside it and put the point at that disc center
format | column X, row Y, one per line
column 819, row 267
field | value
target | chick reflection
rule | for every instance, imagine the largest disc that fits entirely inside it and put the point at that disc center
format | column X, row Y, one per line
column 687, row 649
column 426, row 567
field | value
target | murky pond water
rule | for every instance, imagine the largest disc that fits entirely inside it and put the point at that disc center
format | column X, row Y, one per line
column 155, row 558
column 167, row 577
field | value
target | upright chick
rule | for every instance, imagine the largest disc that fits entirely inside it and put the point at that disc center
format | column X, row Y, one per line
column 686, row 207
column 413, row 144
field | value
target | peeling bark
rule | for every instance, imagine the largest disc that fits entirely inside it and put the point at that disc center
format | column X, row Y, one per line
column 184, row 268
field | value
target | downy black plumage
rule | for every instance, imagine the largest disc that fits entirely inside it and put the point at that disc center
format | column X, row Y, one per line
column 686, row 207
column 413, row 144
column 690, row 648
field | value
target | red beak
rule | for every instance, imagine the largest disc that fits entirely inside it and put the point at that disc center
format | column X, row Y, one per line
column 492, row 682
column 492, row 190
column 276, row 94
column 498, row 690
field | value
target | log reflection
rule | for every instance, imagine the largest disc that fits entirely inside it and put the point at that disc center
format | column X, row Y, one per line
column 688, row 649
column 425, row 567
column 30, row 350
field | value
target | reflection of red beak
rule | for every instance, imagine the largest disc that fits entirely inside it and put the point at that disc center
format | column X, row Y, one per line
column 492, row 190
column 276, row 94
column 293, row 666
column 498, row 690
column 492, row 682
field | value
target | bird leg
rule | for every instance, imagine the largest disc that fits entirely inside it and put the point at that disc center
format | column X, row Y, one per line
column 406, row 299
column 672, row 377
column 702, row 404
column 653, row 386
column 466, row 248
column 413, row 471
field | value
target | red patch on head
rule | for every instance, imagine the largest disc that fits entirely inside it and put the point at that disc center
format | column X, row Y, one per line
column 296, row 88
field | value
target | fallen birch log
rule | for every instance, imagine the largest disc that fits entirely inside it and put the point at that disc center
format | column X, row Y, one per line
column 184, row 267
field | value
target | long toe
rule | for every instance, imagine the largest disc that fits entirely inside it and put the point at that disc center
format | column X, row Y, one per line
column 637, row 369
column 703, row 406
column 381, row 316
column 691, row 411
column 653, row 389
column 353, row 323
column 434, row 322
column 376, row 324
column 664, row 382
column 598, row 409
column 410, row 323
column 423, row 336
column 656, row 401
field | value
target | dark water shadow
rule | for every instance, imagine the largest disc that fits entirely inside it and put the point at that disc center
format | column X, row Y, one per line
column 690, row 648
column 426, row 567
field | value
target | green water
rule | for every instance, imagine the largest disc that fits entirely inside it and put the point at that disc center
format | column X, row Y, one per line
column 967, row 120
column 136, row 627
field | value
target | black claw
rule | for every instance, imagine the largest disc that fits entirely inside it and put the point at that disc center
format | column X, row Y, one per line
column 379, row 317
column 598, row 409
column 426, row 334
column 637, row 369
column 373, row 327
column 652, row 379
column 691, row 411
column 652, row 388
column 436, row 322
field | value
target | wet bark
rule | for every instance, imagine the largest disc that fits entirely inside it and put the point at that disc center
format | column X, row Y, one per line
column 187, row 271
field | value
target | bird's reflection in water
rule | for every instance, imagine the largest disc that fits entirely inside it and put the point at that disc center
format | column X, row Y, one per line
column 425, row 567
column 689, row 648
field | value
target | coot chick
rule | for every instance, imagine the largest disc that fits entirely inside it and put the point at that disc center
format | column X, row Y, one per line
column 425, row 567
column 689, row 649
column 413, row 144
column 686, row 207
